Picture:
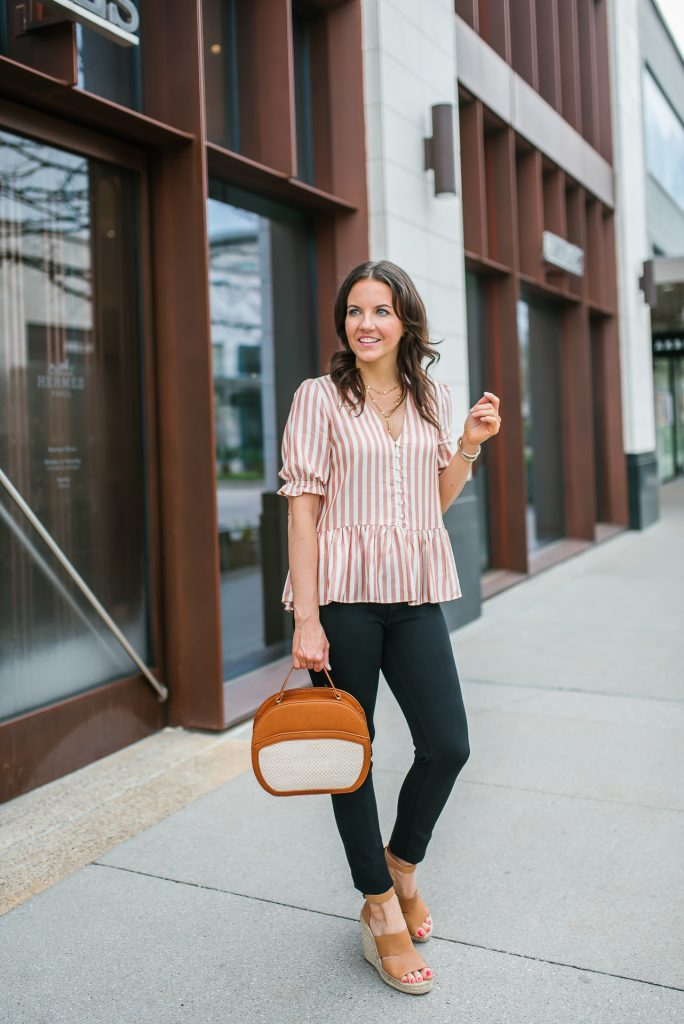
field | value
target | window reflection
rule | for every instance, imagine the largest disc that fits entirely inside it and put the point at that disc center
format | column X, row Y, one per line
column 241, row 340
column 107, row 69
column 263, row 346
column 70, row 422
column 664, row 134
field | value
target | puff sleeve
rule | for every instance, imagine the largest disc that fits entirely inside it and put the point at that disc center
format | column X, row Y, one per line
column 306, row 443
column 447, row 445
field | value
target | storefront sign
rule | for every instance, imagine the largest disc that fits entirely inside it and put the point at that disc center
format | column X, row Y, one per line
column 668, row 344
column 563, row 254
column 60, row 380
column 118, row 20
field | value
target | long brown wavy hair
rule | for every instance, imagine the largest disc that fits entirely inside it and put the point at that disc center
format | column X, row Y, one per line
column 414, row 347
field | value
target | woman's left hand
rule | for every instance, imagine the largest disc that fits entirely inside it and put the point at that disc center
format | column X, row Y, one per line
column 483, row 421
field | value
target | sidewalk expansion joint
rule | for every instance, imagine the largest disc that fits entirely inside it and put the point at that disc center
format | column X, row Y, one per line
column 566, row 689
column 344, row 917
column 548, row 792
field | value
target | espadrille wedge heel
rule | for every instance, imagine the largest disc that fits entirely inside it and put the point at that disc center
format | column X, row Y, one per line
column 412, row 907
column 392, row 955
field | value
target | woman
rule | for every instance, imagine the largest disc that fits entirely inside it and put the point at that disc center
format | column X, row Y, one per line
column 370, row 559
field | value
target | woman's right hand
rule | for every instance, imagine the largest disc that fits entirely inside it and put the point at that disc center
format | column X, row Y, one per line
column 310, row 647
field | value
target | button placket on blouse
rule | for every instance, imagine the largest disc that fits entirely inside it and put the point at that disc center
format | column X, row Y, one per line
column 400, row 511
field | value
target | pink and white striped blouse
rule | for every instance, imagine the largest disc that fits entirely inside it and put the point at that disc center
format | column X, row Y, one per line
column 381, row 534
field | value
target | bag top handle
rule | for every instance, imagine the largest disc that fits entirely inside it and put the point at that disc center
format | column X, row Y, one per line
column 282, row 688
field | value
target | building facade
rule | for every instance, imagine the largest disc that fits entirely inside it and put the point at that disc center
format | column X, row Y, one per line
column 182, row 190
column 178, row 207
column 541, row 290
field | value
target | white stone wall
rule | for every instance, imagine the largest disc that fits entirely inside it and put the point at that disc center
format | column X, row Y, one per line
column 632, row 248
column 409, row 65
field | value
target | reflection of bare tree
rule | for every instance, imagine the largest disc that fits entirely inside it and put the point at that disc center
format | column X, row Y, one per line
column 44, row 195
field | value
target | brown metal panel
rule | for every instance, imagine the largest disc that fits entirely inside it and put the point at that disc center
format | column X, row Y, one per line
column 578, row 423
column 595, row 254
column 507, row 499
column 473, row 178
column 610, row 296
column 506, row 471
column 43, row 745
column 240, row 170
column 530, row 213
column 586, row 28
column 346, row 113
column 266, row 83
column 571, row 98
column 178, row 193
column 494, row 26
column 50, row 49
column 548, row 51
column 342, row 240
column 467, row 9
column 575, row 213
column 502, row 221
column 555, row 219
column 603, row 91
column 56, row 132
column 84, row 108
column 523, row 32
column 613, row 500
column 328, row 280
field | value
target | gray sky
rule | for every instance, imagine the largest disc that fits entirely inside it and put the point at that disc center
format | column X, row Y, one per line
column 673, row 12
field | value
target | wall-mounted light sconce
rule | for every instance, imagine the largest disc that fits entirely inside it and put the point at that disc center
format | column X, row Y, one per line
column 439, row 150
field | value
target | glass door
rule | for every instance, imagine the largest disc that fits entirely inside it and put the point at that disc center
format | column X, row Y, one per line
column 72, row 438
column 264, row 343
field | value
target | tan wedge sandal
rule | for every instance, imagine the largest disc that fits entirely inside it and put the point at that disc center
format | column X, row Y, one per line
column 392, row 955
column 413, row 908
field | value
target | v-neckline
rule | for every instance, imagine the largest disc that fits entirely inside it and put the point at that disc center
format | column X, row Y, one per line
column 382, row 422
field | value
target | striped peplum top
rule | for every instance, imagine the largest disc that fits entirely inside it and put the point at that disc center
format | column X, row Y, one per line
column 381, row 534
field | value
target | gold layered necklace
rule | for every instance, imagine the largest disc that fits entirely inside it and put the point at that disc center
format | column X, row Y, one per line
column 369, row 388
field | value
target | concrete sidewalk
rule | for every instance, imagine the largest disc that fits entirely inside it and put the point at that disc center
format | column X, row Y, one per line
column 555, row 876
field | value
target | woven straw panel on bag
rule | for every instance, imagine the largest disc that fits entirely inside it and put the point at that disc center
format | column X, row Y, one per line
column 311, row 764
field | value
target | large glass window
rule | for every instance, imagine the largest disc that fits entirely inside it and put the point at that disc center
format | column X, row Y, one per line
column 220, row 30
column 664, row 134
column 71, row 425
column 108, row 69
column 263, row 345
column 301, row 41
column 665, row 416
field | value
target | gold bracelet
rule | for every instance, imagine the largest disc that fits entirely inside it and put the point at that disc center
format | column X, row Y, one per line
column 468, row 458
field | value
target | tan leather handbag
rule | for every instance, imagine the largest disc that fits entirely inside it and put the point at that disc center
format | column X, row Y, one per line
column 313, row 739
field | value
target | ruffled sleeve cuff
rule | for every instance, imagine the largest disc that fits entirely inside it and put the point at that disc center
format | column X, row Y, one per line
column 293, row 488
column 306, row 443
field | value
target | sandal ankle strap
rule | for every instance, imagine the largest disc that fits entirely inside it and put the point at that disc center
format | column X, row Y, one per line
column 395, row 863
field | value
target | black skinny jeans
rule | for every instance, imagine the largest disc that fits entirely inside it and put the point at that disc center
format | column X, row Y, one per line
column 411, row 645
